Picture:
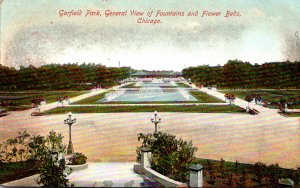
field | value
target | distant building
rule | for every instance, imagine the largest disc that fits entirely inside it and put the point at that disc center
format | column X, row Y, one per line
column 157, row 74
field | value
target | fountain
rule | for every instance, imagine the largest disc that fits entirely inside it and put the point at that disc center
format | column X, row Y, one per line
column 185, row 94
column 149, row 92
column 113, row 95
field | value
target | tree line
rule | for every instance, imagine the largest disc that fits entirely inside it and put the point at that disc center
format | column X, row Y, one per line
column 243, row 75
column 60, row 77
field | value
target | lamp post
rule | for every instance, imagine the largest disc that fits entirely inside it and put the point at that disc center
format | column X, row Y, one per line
column 156, row 120
column 70, row 122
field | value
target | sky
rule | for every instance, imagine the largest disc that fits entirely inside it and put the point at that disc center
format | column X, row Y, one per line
column 33, row 32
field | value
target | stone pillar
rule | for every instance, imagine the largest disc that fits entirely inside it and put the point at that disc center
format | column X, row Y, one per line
column 145, row 157
column 196, row 175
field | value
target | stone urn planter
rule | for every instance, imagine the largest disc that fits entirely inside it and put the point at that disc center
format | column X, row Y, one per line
column 36, row 114
column 69, row 160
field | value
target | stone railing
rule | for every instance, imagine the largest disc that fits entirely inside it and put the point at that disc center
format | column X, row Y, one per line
column 196, row 172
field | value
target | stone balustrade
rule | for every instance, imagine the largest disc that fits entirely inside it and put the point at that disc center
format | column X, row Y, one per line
column 196, row 172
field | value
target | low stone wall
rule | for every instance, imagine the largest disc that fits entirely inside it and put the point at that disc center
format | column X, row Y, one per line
column 77, row 167
column 152, row 174
column 165, row 181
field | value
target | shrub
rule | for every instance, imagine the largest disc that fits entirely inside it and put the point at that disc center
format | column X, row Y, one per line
column 260, row 171
column 78, row 159
column 55, row 142
column 53, row 173
column 37, row 147
column 273, row 174
column 248, row 98
column 15, row 149
column 242, row 178
column 170, row 156
column 24, row 147
column 222, row 168
column 230, row 178
column 211, row 171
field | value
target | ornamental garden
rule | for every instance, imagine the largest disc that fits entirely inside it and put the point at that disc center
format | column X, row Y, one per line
column 214, row 105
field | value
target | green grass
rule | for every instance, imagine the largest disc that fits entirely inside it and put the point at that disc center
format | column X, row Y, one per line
column 50, row 96
column 17, row 170
column 294, row 114
column 205, row 98
column 269, row 95
column 294, row 106
column 166, row 108
column 183, row 85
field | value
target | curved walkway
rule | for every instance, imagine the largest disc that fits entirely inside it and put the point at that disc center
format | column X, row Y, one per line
column 241, row 103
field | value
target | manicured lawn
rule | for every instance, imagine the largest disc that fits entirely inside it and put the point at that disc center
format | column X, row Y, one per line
column 269, row 95
column 272, row 96
column 294, row 106
column 294, row 114
column 165, row 108
column 17, row 170
column 205, row 98
column 183, row 85
column 24, row 98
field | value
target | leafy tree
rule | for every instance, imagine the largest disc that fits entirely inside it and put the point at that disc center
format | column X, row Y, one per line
column 239, row 74
column 235, row 74
column 56, row 76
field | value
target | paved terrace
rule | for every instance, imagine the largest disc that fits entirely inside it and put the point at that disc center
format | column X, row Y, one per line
column 96, row 175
